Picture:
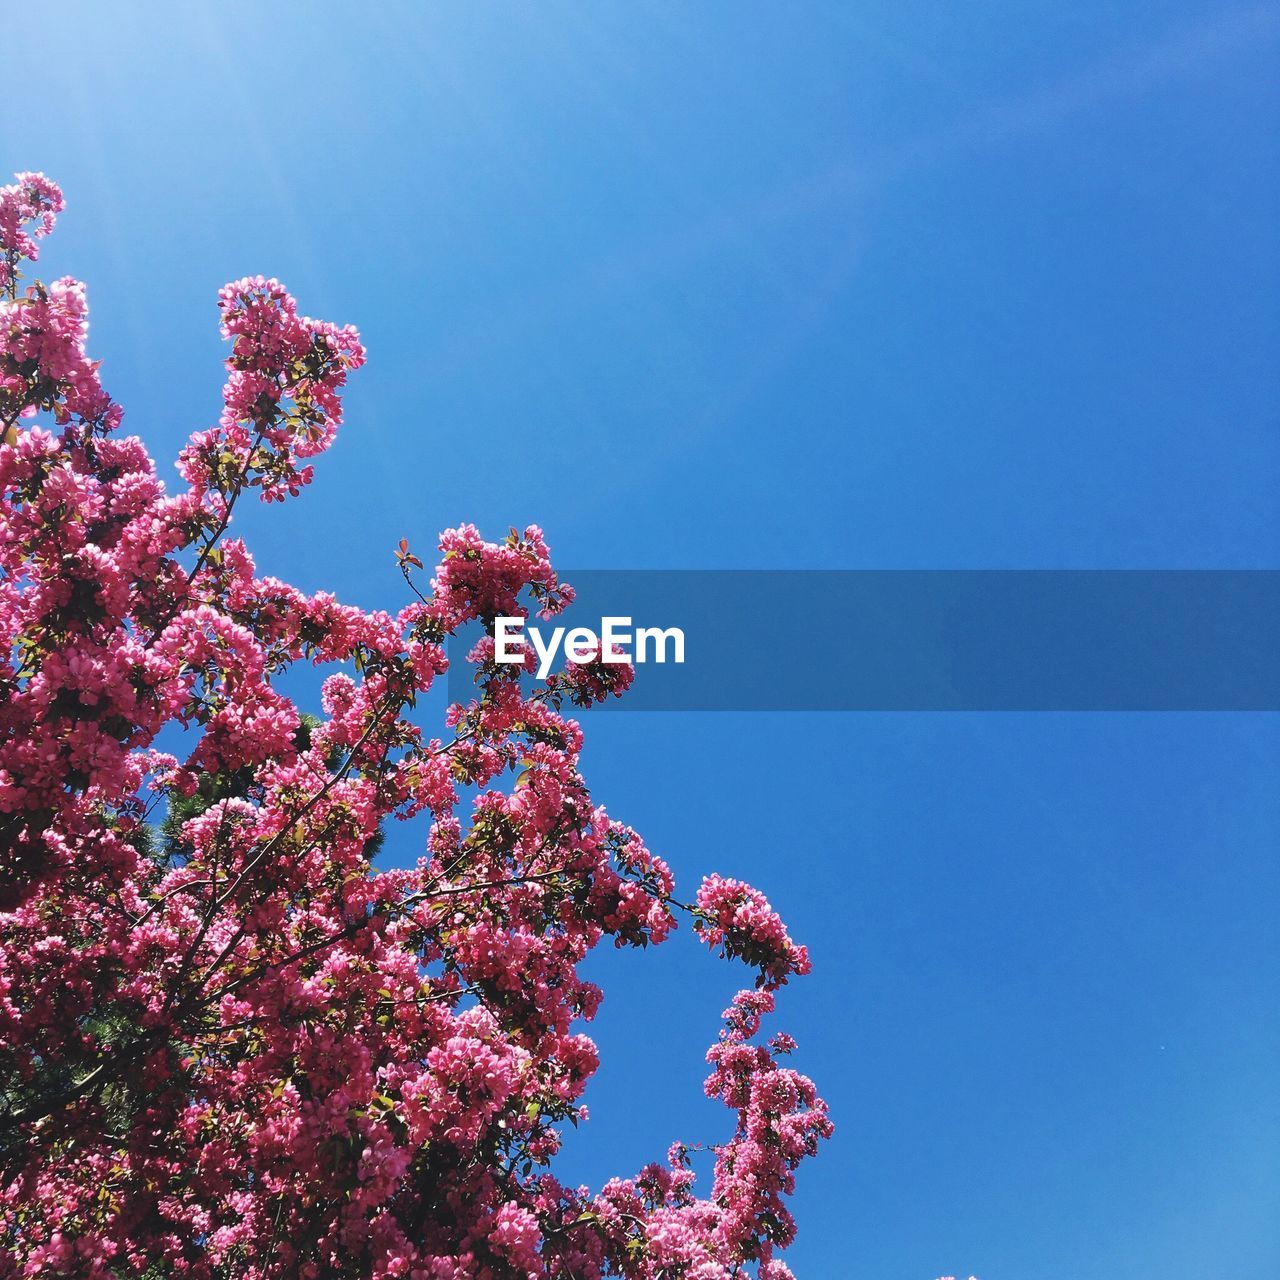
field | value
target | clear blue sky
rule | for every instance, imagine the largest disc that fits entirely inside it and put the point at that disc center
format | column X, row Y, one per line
column 814, row 285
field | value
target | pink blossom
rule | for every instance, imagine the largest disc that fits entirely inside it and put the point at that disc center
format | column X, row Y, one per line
column 233, row 1044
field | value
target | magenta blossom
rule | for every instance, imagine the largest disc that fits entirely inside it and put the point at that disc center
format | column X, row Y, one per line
column 231, row 1044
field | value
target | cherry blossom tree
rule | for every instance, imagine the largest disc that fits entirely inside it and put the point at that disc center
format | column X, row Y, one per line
column 231, row 1043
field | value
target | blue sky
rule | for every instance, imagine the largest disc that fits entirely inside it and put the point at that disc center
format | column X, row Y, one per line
column 817, row 285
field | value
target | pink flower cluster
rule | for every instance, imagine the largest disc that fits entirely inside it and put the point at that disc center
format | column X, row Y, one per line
column 43, row 364
column 29, row 198
column 231, row 1043
column 281, row 398
column 739, row 920
column 595, row 679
